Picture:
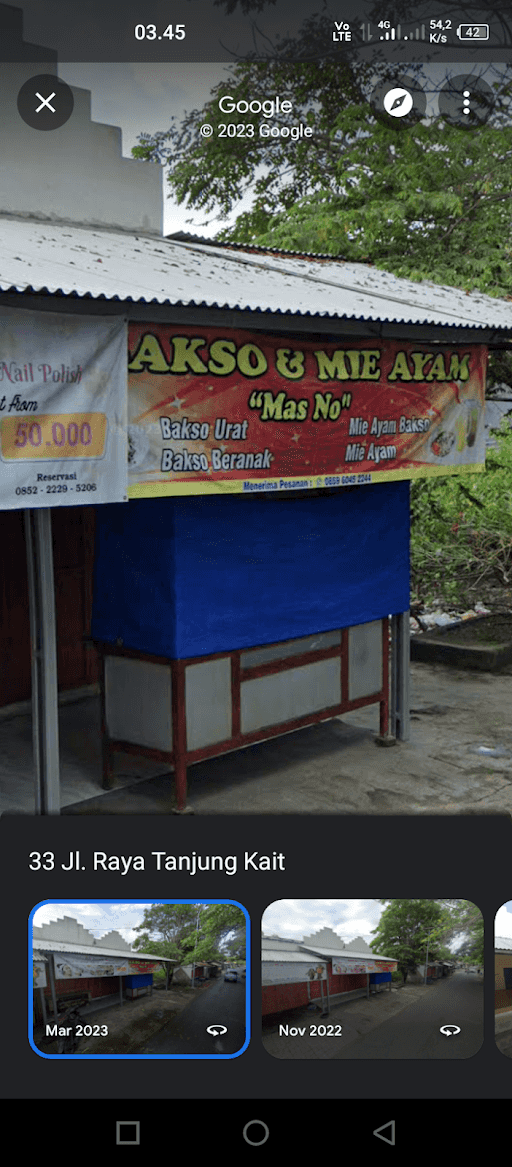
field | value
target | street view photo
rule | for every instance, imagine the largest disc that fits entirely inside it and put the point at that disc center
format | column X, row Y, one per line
column 164, row 979
column 255, row 387
column 503, row 978
column 372, row 979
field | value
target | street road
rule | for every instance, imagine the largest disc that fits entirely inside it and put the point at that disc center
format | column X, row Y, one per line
column 415, row 1031
column 222, row 1003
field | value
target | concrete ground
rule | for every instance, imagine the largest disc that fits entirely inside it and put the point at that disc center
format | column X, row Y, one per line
column 458, row 761
column 403, row 1022
column 503, row 1032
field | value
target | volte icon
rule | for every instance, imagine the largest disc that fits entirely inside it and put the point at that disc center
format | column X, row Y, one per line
column 386, row 1132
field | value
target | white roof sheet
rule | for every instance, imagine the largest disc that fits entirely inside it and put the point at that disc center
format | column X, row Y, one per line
column 303, row 955
column 92, row 262
column 503, row 944
column 93, row 950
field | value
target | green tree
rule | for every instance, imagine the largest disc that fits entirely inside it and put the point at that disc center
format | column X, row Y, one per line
column 405, row 929
column 428, row 202
column 461, row 530
column 188, row 932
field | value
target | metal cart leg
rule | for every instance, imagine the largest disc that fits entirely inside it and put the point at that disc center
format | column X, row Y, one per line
column 179, row 736
column 400, row 677
column 385, row 737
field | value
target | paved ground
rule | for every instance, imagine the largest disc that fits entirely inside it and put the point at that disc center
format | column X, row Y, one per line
column 223, row 1004
column 334, row 767
column 403, row 1023
column 503, row 1030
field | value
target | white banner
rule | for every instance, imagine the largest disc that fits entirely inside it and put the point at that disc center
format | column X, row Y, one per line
column 277, row 972
column 63, row 409
column 344, row 966
column 39, row 974
column 75, row 967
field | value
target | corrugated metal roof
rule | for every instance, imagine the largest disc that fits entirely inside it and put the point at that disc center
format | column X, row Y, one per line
column 283, row 957
column 503, row 944
column 302, row 954
column 93, row 950
column 81, row 261
column 343, row 954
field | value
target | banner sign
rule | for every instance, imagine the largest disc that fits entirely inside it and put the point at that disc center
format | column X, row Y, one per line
column 39, row 974
column 213, row 410
column 344, row 966
column 74, row 967
column 62, row 410
column 282, row 972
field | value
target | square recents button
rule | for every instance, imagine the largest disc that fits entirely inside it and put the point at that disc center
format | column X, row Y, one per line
column 127, row 1134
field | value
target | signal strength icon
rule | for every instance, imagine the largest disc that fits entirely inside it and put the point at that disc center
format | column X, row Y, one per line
column 417, row 34
column 395, row 34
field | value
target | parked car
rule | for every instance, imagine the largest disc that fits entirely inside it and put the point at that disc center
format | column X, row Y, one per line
column 231, row 974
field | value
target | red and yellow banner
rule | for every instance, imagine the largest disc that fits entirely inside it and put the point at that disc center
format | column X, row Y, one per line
column 214, row 410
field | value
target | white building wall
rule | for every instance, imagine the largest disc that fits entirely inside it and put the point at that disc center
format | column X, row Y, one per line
column 70, row 931
column 74, row 174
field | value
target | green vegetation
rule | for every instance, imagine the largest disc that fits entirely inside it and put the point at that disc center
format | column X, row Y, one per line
column 191, row 933
column 430, row 202
column 461, row 532
column 407, row 927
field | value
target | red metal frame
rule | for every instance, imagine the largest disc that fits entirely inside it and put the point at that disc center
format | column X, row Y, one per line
column 180, row 757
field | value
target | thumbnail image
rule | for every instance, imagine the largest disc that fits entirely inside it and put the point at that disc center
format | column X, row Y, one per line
column 164, row 979
column 503, row 979
column 372, row 979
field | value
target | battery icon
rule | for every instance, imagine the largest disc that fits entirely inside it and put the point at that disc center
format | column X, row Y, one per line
column 473, row 32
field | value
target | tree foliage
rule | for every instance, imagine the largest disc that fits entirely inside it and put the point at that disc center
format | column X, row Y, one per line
column 461, row 530
column 190, row 932
column 407, row 927
column 429, row 202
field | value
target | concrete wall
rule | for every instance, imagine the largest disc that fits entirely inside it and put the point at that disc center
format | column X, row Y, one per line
column 69, row 930
column 75, row 174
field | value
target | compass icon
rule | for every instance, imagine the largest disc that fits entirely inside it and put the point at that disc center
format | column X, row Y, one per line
column 398, row 102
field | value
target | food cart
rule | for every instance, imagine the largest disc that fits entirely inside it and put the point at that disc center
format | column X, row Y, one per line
column 258, row 580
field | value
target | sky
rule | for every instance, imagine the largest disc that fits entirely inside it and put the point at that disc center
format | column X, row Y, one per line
column 98, row 918
column 503, row 921
column 143, row 98
column 297, row 918
column 294, row 919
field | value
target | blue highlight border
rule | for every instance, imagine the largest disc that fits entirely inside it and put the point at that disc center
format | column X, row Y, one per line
column 139, row 1057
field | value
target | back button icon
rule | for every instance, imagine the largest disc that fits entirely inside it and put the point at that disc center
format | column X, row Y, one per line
column 386, row 1133
column 45, row 102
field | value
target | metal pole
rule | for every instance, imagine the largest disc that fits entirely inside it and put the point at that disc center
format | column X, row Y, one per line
column 43, row 1005
column 51, row 977
column 43, row 643
column 426, row 966
column 400, row 720
column 197, row 932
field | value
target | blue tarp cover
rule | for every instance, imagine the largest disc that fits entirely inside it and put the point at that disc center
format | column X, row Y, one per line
column 185, row 577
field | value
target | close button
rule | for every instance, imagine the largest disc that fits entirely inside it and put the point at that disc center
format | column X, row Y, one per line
column 45, row 102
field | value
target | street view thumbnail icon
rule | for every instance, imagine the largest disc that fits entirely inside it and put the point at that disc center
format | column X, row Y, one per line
column 139, row 980
column 503, row 978
column 372, row 979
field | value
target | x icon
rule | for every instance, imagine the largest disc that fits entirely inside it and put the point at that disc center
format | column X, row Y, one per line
column 45, row 102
